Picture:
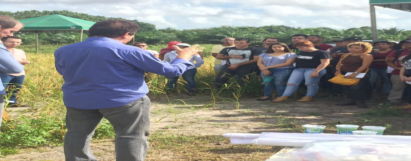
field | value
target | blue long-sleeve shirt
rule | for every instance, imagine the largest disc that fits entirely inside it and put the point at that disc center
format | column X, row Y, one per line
column 103, row 73
column 8, row 65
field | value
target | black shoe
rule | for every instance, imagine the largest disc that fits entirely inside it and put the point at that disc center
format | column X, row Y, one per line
column 13, row 105
column 349, row 102
column 191, row 93
column 265, row 99
column 361, row 104
column 17, row 105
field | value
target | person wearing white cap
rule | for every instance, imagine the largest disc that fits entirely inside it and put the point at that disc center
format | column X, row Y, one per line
column 189, row 75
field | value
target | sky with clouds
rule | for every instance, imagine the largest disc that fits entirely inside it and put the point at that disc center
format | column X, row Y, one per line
column 193, row 14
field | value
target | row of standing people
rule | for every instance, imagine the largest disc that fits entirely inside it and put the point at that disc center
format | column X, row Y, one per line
column 283, row 67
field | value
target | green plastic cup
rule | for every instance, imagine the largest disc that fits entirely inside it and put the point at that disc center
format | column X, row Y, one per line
column 345, row 129
column 378, row 129
column 363, row 132
column 313, row 129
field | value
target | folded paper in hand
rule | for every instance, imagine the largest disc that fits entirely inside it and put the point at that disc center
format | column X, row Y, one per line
column 359, row 75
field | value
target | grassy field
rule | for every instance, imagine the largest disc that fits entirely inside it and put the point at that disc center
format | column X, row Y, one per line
column 182, row 127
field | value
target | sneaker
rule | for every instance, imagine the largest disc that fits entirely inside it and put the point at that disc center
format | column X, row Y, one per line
column 394, row 102
column 17, row 105
column 191, row 93
column 280, row 99
column 404, row 107
column 306, row 99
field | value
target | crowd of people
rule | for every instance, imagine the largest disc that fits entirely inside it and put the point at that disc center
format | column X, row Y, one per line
column 307, row 63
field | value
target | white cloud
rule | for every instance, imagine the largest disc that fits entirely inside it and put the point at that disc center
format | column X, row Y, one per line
column 189, row 14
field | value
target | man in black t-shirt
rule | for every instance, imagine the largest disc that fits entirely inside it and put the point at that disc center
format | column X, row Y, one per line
column 296, row 39
column 241, row 61
column 337, row 52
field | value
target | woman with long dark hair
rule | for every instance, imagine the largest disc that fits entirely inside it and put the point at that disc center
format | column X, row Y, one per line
column 276, row 65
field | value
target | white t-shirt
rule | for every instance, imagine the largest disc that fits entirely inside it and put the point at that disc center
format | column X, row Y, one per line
column 19, row 55
column 153, row 52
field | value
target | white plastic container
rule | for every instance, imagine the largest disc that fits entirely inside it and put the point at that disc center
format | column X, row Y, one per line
column 378, row 129
column 346, row 129
column 313, row 129
column 363, row 132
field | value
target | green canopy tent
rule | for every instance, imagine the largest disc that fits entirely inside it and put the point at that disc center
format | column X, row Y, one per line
column 55, row 23
column 404, row 5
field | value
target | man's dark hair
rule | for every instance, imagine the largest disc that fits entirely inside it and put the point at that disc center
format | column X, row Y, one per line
column 113, row 28
column 380, row 41
column 242, row 39
column 139, row 43
column 7, row 22
column 303, row 35
column 9, row 37
column 315, row 36
column 270, row 38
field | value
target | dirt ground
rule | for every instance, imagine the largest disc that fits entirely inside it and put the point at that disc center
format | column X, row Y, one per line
column 187, row 128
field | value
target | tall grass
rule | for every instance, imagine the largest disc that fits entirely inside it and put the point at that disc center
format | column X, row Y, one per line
column 44, row 124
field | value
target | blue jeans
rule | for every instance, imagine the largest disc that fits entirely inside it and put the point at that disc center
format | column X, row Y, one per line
column 188, row 76
column 279, row 81
column 12, row 80
column 297, row 77
column 386, row 83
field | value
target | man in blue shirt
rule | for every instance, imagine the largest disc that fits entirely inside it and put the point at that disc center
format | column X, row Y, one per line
column 8, row 64
column 104, row 78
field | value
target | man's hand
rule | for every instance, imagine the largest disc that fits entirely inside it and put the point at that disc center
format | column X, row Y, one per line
column 24, row 62
column 233, row 66
column 185, row 53
column 266, row 72
column 314, row 74
column 214, row 54
column 236, row 56
column 408, row 79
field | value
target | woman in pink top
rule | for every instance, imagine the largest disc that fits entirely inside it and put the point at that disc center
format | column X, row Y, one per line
column 16, row 79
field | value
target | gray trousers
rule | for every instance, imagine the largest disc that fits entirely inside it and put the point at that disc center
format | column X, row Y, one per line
column 131, row 124
column 1, row 108
column 398, row 87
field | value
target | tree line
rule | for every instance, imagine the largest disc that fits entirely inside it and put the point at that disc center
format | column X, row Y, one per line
column 149, row 34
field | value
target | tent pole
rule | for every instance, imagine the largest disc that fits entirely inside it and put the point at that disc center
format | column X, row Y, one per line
column 134, row 40
column 81, row 35
column 374, row 30
column 37, row 42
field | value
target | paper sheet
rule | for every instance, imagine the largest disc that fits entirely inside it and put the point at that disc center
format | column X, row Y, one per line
column 359, row 75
